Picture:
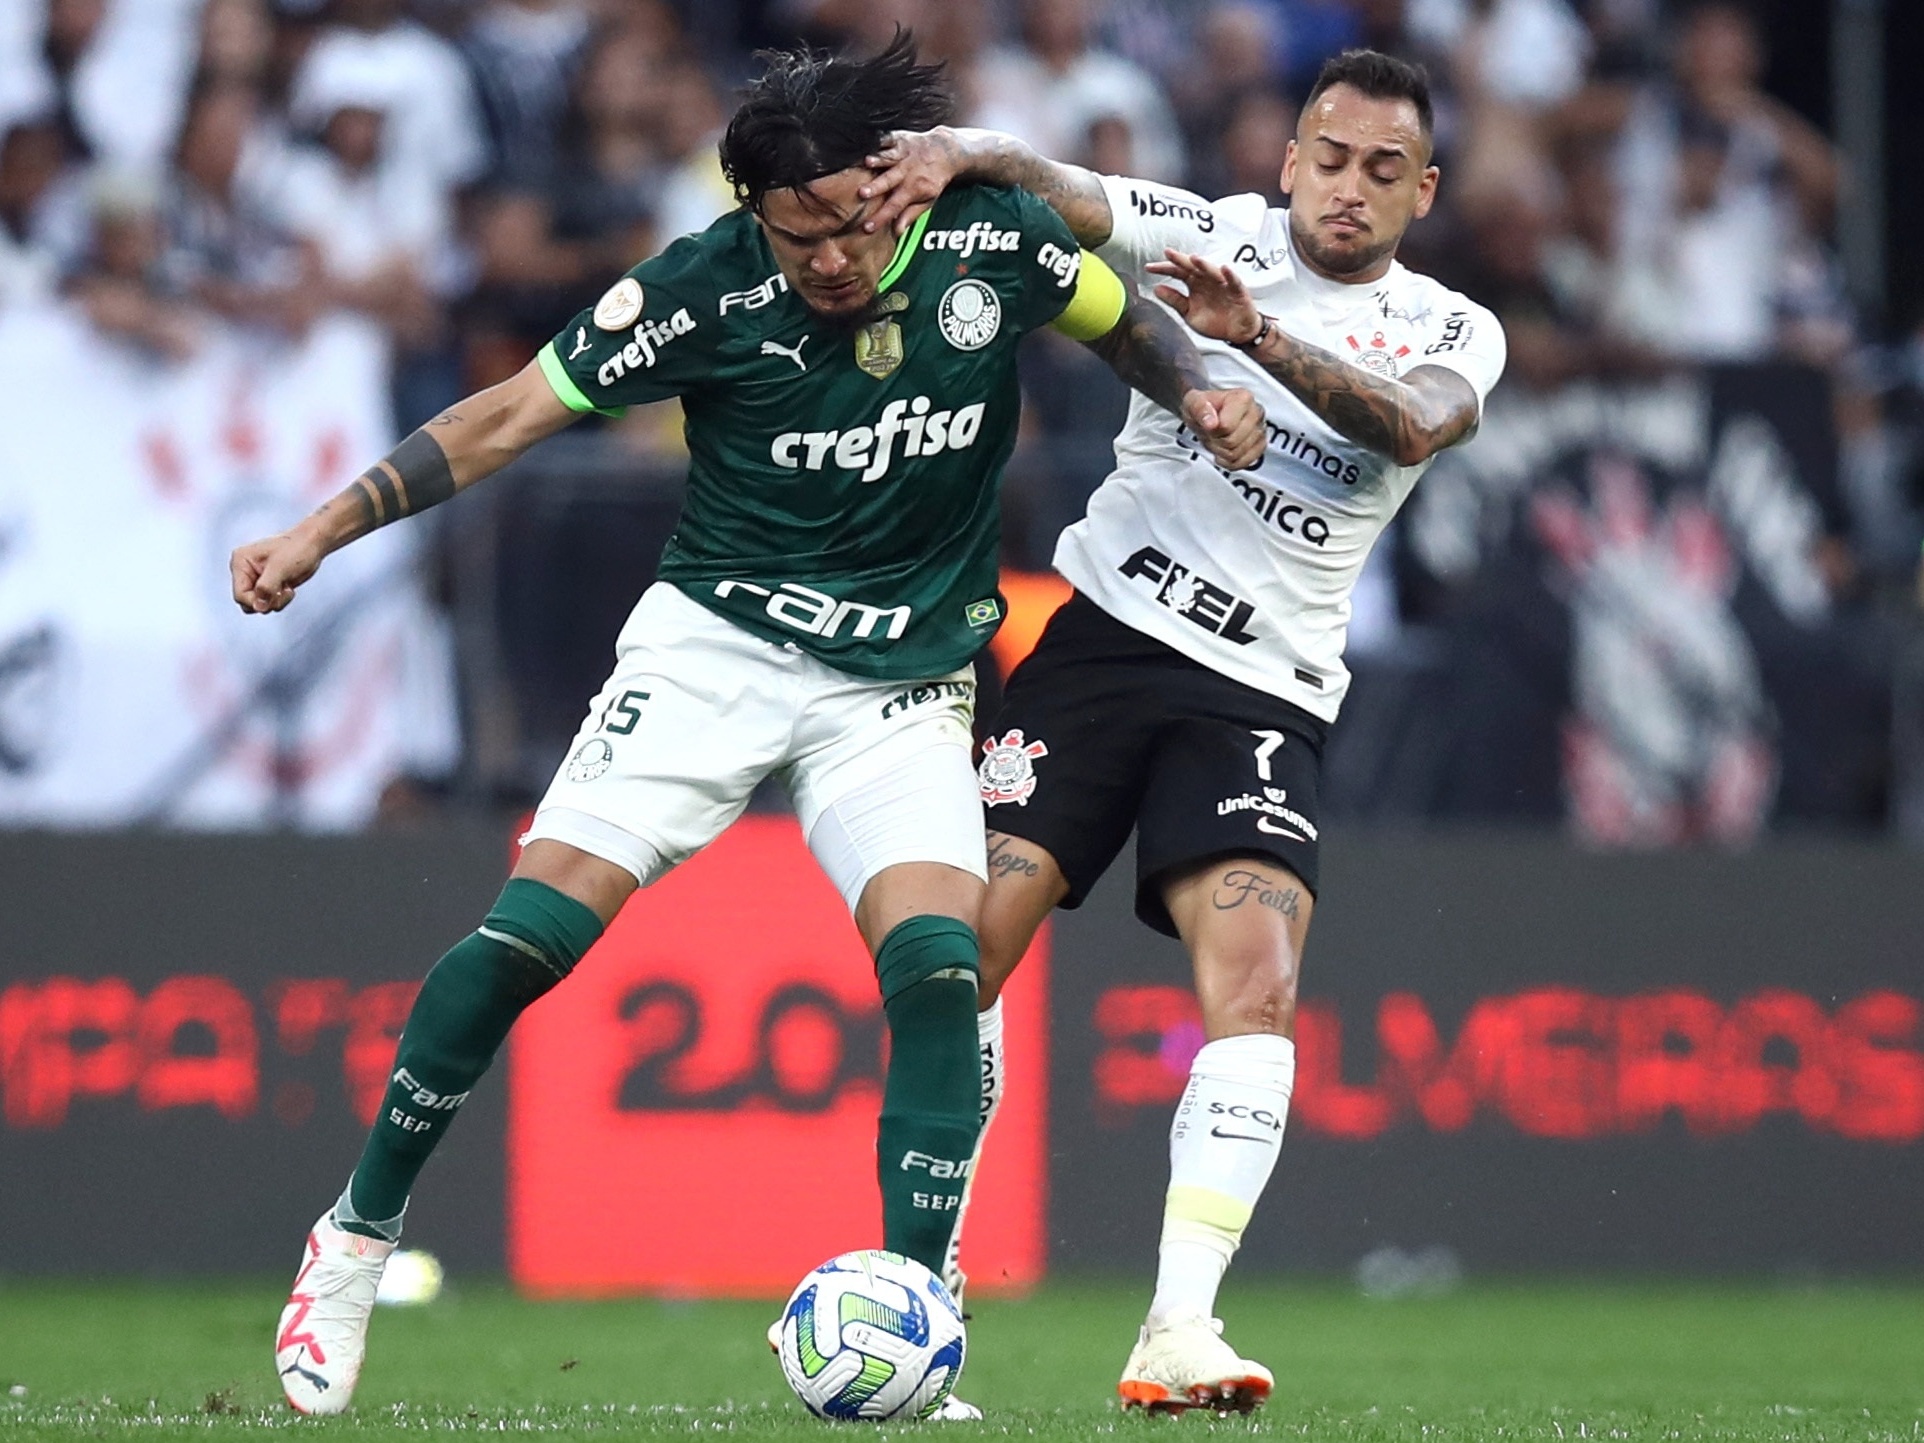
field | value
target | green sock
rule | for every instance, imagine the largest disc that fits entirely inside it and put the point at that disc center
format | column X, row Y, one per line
column 529, row 942
column 931, row 1101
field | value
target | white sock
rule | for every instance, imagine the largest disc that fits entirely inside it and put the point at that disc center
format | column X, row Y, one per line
column 988, row 1036
column 1222, row 1148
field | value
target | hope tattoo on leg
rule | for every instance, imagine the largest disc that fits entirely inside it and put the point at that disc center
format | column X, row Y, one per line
column 1003, row 862
column 1242, row 885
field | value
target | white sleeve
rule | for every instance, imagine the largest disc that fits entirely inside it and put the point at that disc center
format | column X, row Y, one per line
column 1147, row 218
column 1462, row 336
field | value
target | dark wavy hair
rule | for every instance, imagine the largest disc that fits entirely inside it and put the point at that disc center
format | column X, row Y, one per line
column 812, row 114
column 1380, row 77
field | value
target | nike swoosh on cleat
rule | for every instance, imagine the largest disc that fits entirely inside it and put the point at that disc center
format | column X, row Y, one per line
column 1235, row 1136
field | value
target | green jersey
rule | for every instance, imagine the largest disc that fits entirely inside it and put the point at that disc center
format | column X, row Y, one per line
column 842, row 479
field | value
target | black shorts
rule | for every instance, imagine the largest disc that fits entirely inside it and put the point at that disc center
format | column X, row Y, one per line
column 1103, row 728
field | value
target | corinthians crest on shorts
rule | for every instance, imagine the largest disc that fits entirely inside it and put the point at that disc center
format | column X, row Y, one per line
column 1007, row 772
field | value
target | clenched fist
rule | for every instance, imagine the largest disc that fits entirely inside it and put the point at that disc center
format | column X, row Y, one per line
column 266, row 573
column 1230, row 424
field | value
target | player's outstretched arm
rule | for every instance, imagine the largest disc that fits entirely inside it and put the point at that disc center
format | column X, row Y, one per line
column 1152, row 351
column 472, row 439
column 913, row 168
column 1409, row 419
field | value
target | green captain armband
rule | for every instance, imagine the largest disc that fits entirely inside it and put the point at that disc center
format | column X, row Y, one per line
column 564, row 387
column 1098, row 303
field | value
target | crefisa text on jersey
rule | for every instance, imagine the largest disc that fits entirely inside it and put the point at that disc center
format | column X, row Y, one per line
column 871, row 449
column 1065, row 266
column 639, row 354
column 981, row 236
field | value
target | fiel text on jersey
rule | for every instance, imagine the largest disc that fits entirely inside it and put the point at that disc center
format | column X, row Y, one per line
column 1208, row 605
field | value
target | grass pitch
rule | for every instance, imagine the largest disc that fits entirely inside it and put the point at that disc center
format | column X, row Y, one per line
column 1561, row 1361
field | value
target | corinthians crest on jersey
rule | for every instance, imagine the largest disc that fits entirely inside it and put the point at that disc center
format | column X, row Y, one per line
column 1007, row 773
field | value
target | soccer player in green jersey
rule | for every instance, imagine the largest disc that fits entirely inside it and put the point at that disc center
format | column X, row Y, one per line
column 851, row 398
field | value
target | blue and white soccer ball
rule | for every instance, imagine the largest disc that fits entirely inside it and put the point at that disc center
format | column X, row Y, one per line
column 871, row 1335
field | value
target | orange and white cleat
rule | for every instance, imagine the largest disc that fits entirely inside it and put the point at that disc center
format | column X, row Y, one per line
column 1182, row 1362
column 322, row 1338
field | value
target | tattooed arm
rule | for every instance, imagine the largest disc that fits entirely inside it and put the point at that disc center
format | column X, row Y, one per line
column 1408, row 418
column 476, row 438
column 913, row 168
column 1151, row 350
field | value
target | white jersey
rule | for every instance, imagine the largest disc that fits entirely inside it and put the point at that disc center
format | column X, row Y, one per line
column 1250, row 572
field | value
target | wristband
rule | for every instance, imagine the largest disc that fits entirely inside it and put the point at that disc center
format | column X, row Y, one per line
column 1255, row 342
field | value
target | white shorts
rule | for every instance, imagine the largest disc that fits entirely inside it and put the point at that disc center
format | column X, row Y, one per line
column 698, row 711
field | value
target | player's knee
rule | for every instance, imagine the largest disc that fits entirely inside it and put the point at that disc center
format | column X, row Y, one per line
column 1250, row 990
column 923, row 948
column 543, row 926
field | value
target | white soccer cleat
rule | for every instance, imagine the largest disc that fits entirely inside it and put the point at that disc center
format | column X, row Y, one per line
column 323, row 1333
column 1183, row 1362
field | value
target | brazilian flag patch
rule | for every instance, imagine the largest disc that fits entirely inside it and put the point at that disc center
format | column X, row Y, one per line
column 986, row 612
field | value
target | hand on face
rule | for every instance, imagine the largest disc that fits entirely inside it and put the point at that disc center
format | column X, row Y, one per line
column 911, row 171
column 819, row 239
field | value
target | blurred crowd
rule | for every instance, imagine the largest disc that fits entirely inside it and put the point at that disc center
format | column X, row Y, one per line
column 1619, row 185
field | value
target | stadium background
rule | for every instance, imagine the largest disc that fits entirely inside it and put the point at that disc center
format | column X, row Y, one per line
column 1620, row 965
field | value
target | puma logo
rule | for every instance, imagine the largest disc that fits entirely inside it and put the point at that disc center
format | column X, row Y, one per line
column 320, row 1384
column 581, row 342
column 794, row 353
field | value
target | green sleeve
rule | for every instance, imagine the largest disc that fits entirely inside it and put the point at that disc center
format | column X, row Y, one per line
column 649, row 337
column 1048, row 263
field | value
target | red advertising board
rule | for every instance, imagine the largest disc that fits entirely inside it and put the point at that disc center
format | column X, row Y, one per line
column 694, row 1112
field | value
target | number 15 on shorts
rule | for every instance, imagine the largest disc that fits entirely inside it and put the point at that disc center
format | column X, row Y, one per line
column 624, row 713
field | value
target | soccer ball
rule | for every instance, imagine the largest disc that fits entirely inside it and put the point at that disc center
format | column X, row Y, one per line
column 871, row 1335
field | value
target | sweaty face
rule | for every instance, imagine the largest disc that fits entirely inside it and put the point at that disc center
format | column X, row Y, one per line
column 818, row 241
column 1357, row 174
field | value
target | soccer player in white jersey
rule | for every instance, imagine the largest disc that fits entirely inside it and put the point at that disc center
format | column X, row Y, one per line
column 1186, row 688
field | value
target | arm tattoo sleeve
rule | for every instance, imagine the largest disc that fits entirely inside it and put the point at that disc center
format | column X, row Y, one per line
column 414, row 476
column 1408, row 420
column 1152, row 351
column 1070, row 191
